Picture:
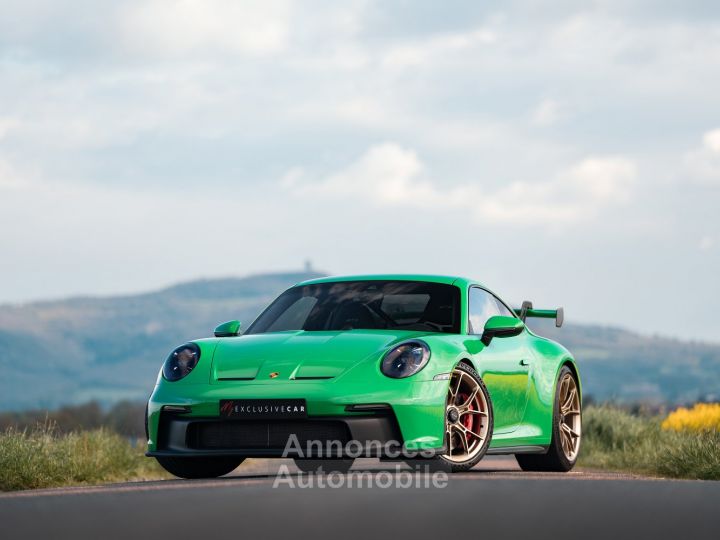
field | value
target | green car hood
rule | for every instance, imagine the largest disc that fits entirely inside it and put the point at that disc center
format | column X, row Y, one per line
column 300, row 355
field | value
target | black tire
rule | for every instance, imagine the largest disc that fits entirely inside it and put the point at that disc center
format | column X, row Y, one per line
column 199, row 467
column 441, row 463
column 326, row 466
column 554, row 459
column 429, row 465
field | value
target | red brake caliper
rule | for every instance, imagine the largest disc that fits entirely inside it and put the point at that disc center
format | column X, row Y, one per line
column 468, row 419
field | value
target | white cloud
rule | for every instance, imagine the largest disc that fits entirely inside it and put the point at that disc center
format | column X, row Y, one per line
column 704, row 162
column 430, row 50
column 603, row 179
column 385, row 174
column 7, row 124
column 574, row 195
column 711, row 141
column 707, row 242
column 390, row 175
column 547, row 112
column 176, row 28
column 9, row 177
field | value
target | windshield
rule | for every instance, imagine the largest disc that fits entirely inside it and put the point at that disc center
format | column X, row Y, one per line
column 347, row 305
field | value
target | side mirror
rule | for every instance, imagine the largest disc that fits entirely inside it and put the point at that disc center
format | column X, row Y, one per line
column 501, row 326
column 228, row 329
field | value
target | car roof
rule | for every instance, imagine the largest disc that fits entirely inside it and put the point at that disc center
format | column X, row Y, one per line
column 432, row 278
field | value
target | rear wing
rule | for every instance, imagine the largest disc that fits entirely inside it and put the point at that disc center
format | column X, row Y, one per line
column 527, row 311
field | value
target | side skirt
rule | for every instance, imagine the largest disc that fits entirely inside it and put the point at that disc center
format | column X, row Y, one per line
column 517, row 450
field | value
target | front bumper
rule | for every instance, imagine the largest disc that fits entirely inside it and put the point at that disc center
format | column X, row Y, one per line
column 413, row 417
column 314, row 437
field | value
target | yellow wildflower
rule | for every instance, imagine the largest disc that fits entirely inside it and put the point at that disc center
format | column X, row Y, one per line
column 701, row 417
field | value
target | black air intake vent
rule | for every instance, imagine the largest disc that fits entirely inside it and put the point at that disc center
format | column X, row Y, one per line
column 239, row 435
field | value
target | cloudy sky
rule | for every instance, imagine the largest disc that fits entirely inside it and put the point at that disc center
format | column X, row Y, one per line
column 564, row 152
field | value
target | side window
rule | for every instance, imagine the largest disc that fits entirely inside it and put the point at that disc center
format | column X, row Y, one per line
column 503, row 308
column 482, row 306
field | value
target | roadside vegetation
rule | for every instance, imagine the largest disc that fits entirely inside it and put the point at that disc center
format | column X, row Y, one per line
column 125, row 418
column 684, row 445
column 84, row 445
column 43, row 457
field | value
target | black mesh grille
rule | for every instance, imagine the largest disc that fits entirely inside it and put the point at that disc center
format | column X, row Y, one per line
column 239, row 435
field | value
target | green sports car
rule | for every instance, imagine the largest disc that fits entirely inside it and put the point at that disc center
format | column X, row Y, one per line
column 425, row 369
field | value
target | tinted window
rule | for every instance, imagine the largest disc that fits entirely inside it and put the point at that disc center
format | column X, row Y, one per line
column 482, row 306
column 404, row 305
column 294, row 315
column 405, row 308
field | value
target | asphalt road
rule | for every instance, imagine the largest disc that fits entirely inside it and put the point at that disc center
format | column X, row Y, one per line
column 495, row 499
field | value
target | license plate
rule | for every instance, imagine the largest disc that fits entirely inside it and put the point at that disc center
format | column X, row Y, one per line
column 263, row 408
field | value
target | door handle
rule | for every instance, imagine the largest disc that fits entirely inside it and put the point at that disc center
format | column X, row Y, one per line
column 524, row 362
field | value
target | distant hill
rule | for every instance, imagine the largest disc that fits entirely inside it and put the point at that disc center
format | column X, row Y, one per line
column 74, row 350
column 71, row 351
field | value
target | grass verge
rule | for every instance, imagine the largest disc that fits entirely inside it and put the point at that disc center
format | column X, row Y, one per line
column 42, row 458
column 612, row 440
column 615, row 440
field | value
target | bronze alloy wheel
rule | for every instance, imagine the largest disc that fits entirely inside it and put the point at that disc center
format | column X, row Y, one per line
column 467, row 416
column 570, row 419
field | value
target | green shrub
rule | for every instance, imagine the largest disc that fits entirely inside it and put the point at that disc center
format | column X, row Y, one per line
column 691, row 456
column 614, row 439
column 41, row 458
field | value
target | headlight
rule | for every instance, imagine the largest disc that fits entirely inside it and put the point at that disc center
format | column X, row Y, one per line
column 406, row 359
column 181, row 362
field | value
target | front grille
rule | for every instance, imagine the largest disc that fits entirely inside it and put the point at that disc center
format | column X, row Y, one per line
column 251, row 435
